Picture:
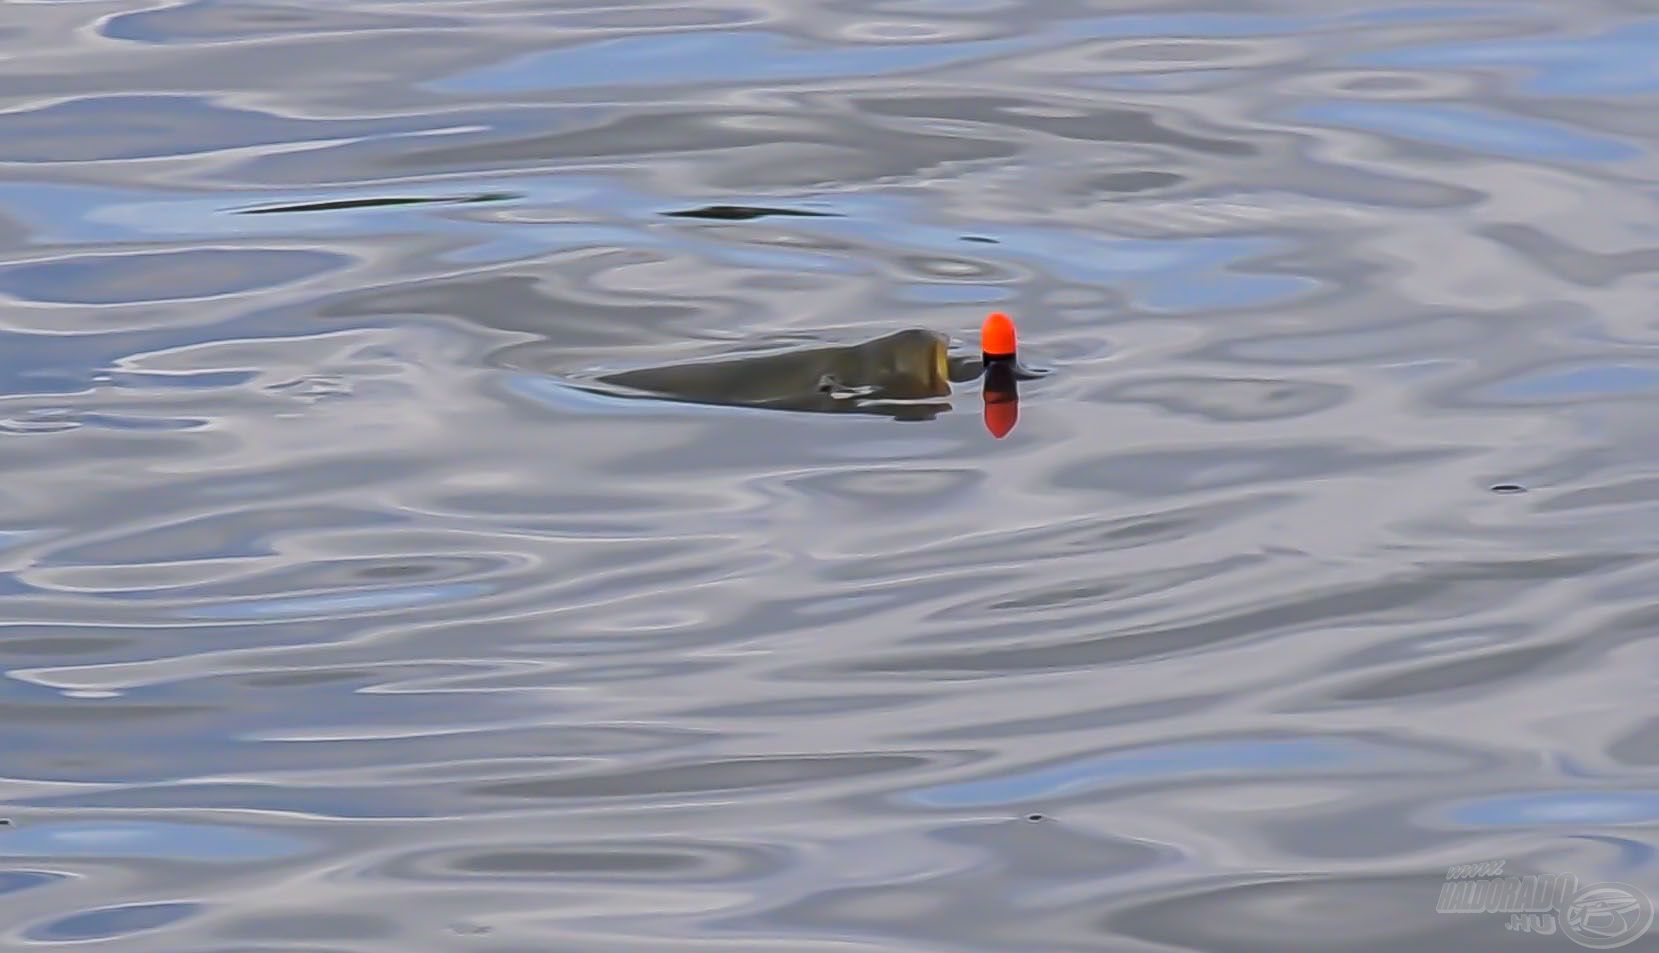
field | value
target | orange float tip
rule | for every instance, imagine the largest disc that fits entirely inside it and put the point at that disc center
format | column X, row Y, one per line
column 1001, row 416
column 996, row 337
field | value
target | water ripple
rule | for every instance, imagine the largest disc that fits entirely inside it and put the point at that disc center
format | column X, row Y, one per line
column 336, row 613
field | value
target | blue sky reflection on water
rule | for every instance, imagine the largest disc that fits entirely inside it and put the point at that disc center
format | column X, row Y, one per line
column 707, row 57
column 1569, row 809
column 1615, row 62
column 704, row 56
column 328, row 605
column 1157, row 763
column 12, row 881
column 1469, row 127
column 160, row 840
column 730, row 56
column 111, row 922
column 1578, row 383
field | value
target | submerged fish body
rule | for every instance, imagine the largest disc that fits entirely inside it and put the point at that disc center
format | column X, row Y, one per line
column 903, row 374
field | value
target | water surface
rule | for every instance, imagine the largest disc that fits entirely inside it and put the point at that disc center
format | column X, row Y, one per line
column 336, row 620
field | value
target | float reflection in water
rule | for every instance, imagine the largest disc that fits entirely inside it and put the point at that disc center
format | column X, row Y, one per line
column 1002, row 399
column 999, row 347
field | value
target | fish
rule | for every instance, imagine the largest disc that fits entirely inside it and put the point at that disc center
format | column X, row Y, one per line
column 905, row 375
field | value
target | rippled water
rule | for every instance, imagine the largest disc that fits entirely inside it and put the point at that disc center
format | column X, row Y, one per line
column 338, row 618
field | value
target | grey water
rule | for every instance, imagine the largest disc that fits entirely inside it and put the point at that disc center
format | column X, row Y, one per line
column 1323, row 560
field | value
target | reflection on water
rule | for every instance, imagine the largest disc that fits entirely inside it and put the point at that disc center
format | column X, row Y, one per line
column 416, row 531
